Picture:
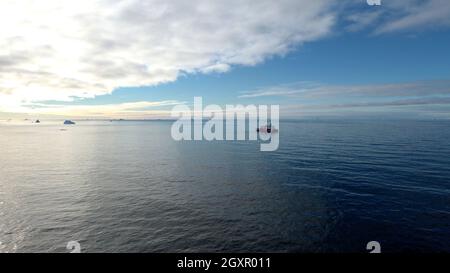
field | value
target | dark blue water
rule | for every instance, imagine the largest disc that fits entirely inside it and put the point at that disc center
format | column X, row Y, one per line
column 128, row 187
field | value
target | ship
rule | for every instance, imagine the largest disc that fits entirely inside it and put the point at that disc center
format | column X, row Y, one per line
column 267, row 128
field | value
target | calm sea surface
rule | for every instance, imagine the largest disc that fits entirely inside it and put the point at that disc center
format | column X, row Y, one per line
column 128, row 187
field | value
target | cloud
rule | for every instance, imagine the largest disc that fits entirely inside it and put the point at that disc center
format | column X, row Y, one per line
column 316, row 90
column 398, row 16
column 62, row 50
column 313, row 99
column 362, row 20
column 417, row 15
column 139, row 109
column 400, row 102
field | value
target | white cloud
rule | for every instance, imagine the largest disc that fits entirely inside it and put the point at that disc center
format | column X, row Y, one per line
column 304, row 97
column 418, row 15
column 362, row 20
column 316, row 90
column 283, row 90
column 139, row 109
column 398, row 16
column 61, row 49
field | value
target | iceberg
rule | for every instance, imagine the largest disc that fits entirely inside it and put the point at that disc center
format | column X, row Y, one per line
column 69, row 122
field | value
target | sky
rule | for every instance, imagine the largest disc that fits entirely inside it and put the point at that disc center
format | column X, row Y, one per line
column 137, row 59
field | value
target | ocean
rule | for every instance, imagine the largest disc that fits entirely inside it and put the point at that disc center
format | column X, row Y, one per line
column 126, row 186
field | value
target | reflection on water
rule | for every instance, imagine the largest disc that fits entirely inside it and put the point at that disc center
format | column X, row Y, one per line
column 128, row 187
